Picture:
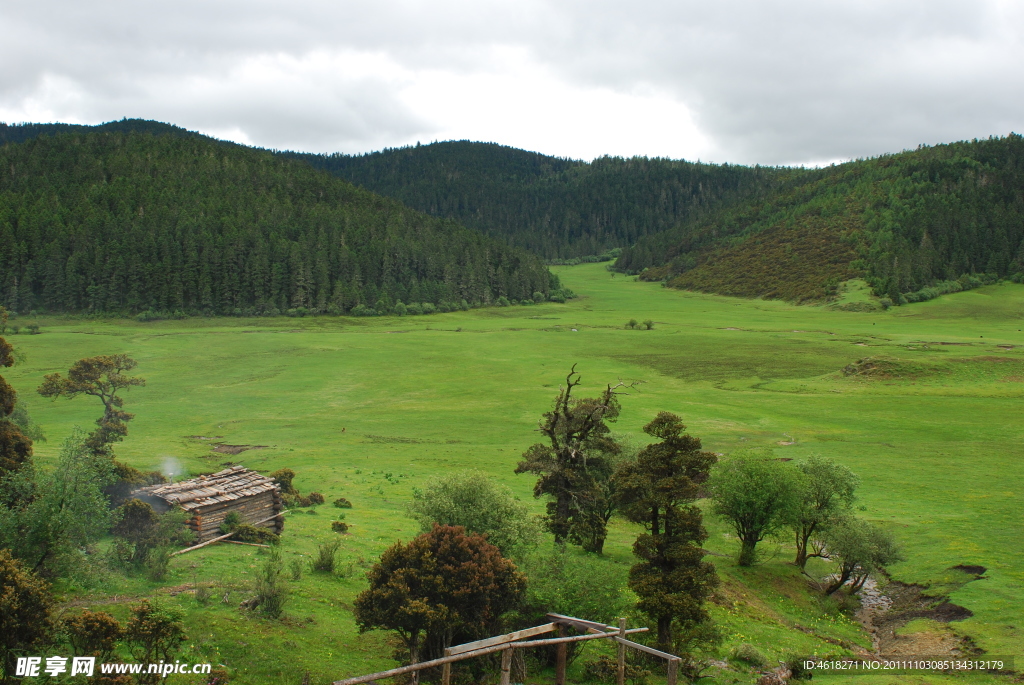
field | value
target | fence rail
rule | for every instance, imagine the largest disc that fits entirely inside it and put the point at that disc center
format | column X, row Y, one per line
column 515, row 640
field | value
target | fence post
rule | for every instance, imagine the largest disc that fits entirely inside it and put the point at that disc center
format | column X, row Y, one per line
column 506, row 666
column 446, row 670
column 560, row 654
column 673, row 671
column 622, row 653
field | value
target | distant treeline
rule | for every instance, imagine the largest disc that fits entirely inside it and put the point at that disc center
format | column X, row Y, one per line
column 557, row 208
column 906, row 222
column 131, row 222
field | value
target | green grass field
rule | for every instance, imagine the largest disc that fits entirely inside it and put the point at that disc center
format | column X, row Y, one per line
column 368, row 408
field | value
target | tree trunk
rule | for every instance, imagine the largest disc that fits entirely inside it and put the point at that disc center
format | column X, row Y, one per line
column 748, row 554
column 665, row 633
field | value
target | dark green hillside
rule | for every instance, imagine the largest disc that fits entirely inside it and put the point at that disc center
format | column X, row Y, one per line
column 20, row 133
column 906, row 222
column 554, row 207
column 126, row 222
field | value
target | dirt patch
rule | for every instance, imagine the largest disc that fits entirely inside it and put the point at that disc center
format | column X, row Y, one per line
column 204, row 437
column 969, row 568
column 1012, row 379
column 885, row 611
column 885, row 368
column 236, row 449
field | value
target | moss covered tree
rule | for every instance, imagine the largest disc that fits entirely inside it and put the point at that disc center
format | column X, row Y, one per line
column 657, row 490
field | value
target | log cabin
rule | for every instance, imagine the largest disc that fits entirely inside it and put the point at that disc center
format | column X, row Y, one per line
column 209, row 499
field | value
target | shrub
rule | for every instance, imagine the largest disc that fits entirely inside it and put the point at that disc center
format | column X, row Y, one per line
column 502, row 301
column 339, row 526
column 33, row 329
column 400, row 309
column 429, row 308
column 648, row 324
column 464, row 306
column 246, row 533
column 157, row 561
column 283, row 478
column 342, row 503
column 153, row 633
column 203, row 595
column 93, row 633
column 631, row 323
column 538, row 297
column 749, row 654
column 415, row 308
column 295, row 566
column 230, row 522
column 271, row 593
column 326, row 558
column 606, row 670
column 26, row 611
column 316, row 499
column 472, row 500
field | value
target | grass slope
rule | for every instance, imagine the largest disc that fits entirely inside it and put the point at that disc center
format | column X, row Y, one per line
column 368, row 408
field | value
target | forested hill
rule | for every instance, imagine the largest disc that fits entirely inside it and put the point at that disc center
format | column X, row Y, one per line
column 130, row 222
column 19, row 133
column 907, row 222
column 556, row 208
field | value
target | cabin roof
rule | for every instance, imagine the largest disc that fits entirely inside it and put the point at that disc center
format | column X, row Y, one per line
column 230, row 484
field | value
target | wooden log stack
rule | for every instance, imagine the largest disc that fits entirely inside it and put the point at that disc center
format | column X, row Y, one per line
column 209, row 499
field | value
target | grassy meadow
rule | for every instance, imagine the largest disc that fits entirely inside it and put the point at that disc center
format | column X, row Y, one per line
column 369, row 408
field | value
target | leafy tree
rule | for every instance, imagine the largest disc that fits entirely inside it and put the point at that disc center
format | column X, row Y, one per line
column 101, row 377
column 153, row 633
column 859, row 549
column 141, row 532
column 26, row 613
column 472, row 500
column 15, row 446
column 577, row 444
column 757, row 494
column 826, row 496
column 657, row 490
column 66, row 510
column 441, row 584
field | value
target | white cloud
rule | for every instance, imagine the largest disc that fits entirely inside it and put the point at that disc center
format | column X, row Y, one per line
column 733, row 80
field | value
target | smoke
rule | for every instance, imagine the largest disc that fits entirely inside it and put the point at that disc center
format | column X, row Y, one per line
column 171, row 468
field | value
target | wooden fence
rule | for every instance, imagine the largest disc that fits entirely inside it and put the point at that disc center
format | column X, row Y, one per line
column 517, row 640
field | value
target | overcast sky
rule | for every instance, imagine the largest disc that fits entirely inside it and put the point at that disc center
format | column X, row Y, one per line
column 721, row 80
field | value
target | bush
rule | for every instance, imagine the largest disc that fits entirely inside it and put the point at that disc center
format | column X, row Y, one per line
column 464, row 306
column 342, row 503
column 400, row 309
column 295, row 566
column 316, row 499
column 429, row 308
column 648, row 324
column 503, row 301
column 472, row 500
column 538, row 297
column 246, row 533
column 203, row 595
column 157, row 561
column 33, row 329
column 339, row 526
column 271, row 594
column 326, row 558
column 230, row 522
column 283, row 478
column 631, row 323
column 750, row 655
column 415, row 308
column 606, row 670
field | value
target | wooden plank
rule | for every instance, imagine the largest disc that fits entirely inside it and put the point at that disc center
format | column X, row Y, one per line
column 645, row 648
column 621, row 656
column 673, row 671
column 469, row 655
column 578, row 622
column 209, row 542
column 506, row 667
column 501, row 639
column 560, row 657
